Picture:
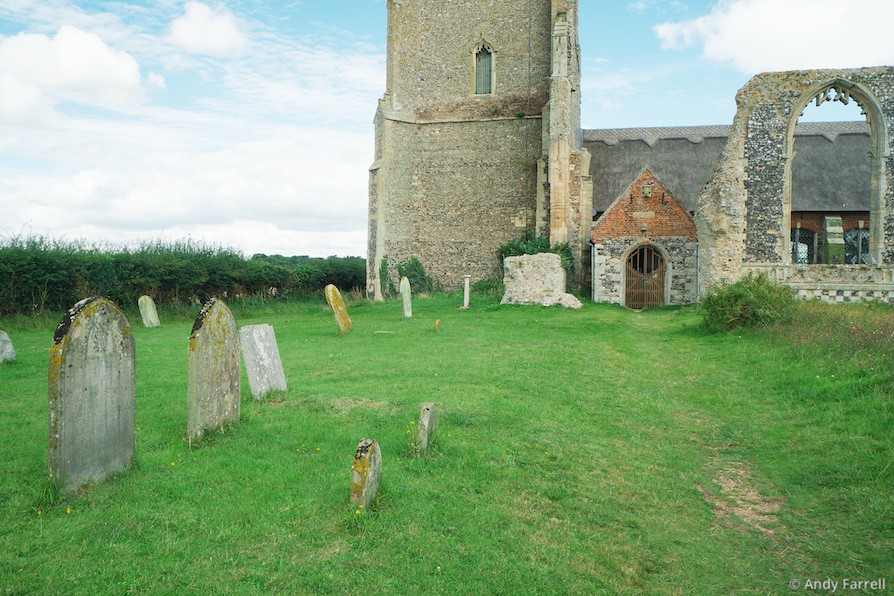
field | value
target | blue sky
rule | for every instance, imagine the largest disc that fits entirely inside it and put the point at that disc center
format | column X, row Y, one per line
column 248, row 123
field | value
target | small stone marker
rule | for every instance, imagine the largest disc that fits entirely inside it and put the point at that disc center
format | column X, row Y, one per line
column 467, row 280
column 406, row 297
column 213, row 370
column 437, row 326
column 7, row 352
column 426, row 428
column 339, row 310
column 92, row 394
column 148, row 312
column 263, row 366
column 366, row 473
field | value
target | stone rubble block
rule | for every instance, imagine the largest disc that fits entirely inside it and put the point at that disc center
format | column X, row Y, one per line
column 536, row 279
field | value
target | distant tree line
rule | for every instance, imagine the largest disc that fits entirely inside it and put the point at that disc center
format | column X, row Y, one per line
column 39, row 275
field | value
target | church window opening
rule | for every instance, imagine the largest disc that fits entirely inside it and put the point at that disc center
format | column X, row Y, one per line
column 856, row 246
column 804, row 249
column 484, row 64
column 831, row 174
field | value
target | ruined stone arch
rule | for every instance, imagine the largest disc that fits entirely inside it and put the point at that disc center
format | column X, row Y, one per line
column 844, row 90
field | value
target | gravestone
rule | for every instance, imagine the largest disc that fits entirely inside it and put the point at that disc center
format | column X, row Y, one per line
column 437, row 327
column 426, row 428
column 92, row 395
column 366, row 473
column 406, row 298
column 148, row 312
column 213, row 370
column 339, row 310
column 263, row 366
column 467, row 281
column 7, row 352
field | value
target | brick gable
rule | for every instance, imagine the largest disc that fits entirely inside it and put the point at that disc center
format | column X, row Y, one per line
column 659, row 215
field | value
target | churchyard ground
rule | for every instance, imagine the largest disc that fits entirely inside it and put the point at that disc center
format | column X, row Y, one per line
column 589, row 451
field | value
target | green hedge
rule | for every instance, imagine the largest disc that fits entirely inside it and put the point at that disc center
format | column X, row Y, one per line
column 41, row 275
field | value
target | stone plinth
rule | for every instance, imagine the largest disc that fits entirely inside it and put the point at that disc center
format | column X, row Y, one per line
column 91, row 395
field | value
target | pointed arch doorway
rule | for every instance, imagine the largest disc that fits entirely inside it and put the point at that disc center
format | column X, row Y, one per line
column 645, row 275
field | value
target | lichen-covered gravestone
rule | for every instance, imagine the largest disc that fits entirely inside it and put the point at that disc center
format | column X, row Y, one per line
column 213, row 370
column 366, row 473
column 92, row 395
column 263, row 366
column 339, row 310
column 406, row 298
column 7, row 352
column 148, row 312
column 426, row 428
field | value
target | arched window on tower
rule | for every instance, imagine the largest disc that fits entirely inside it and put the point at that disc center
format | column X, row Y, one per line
column 484, row 64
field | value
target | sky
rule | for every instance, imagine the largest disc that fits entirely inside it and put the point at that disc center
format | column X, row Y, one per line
column 247, row 124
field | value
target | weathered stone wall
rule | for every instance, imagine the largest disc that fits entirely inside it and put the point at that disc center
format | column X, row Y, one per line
column 451, row 194
column 833, row 283
column 455, row 173
column 744, row 212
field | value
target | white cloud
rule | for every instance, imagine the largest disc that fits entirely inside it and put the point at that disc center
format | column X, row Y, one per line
column 209, row 31
column 762, row 35
column 73, row 65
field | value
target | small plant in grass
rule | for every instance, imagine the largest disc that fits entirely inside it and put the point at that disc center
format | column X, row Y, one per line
column 752, row 301
column 491, row 286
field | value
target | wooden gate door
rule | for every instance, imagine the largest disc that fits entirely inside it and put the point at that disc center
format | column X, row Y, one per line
column 645, row 278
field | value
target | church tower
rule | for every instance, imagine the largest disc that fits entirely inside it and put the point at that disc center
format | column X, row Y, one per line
column 477, row 137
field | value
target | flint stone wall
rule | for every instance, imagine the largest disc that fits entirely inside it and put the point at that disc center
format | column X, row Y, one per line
column 536, row 279
column 743, row 216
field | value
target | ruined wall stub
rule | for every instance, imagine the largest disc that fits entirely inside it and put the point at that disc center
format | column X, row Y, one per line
column 744, row 211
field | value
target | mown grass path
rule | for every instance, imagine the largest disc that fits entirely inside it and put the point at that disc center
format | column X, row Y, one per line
column 591, row 451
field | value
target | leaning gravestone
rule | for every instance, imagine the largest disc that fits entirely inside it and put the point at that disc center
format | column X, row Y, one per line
column 406, row 298
column 339, row 310
column 7, row 352
column 366, row 473
column 213, row 370
column 426, row 428
column 263, row 366
column 92, row 395
column 148, row 312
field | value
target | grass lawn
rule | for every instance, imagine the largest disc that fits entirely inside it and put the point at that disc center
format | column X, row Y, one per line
column 590, row 451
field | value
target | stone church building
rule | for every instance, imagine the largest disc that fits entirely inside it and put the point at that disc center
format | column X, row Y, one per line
column 478, row 140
